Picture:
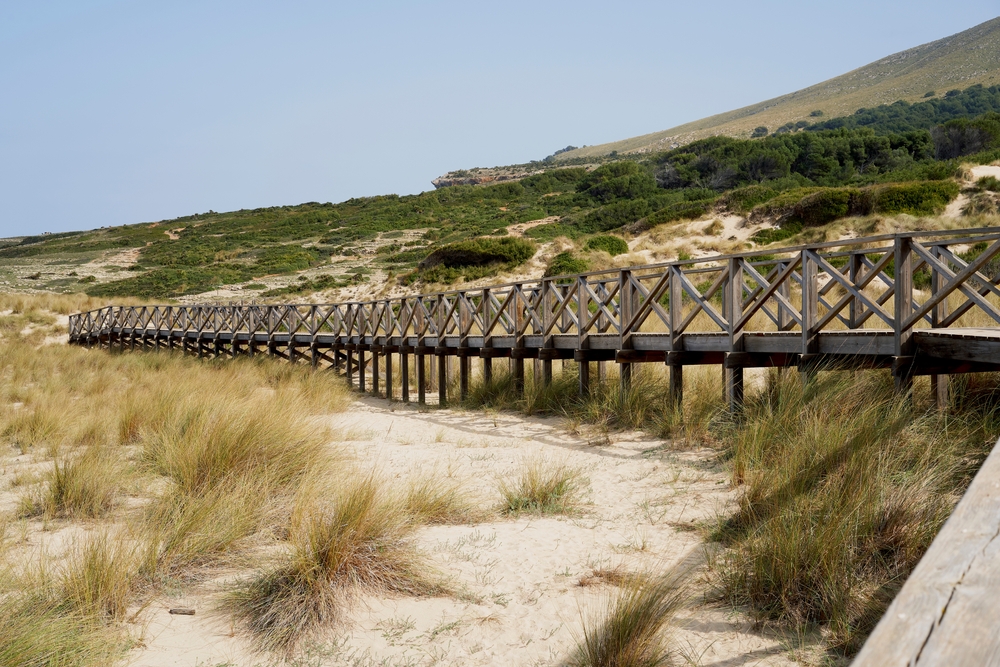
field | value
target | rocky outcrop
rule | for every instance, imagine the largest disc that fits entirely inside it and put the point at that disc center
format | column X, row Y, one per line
column 481, row 177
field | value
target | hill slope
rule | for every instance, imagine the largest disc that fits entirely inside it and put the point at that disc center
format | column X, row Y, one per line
column 959, row 61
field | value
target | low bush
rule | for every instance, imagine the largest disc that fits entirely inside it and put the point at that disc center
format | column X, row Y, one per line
column 981, row 203
column 684, row 210
column 823, row 207
column 990, row 183
column 812, row 207
column 613, row 245
column 920, row 198
column 742, row 200
column 566, row 263
column 481, row 251
column 613, row 216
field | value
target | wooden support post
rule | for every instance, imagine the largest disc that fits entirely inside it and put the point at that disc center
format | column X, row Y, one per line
column 518, row 372
column 584, row 378
column 810, row 305
column 602, row 371
column 939, row 383
column 350, row 367
column 536, row 373
column 361, row 371
column 625, row 375
column 388, row 375
column 903, row 372
column 487, row 370
column 676, row 385
column 375, row 377
column 733, row 311
column 314, row 358
column 442, row 380
column 404, row 376
column 421, row 379
column 546, row 372
column 463, row 378
column 734, row 389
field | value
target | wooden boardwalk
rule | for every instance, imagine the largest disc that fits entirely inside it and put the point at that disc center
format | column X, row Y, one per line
column 922, row 303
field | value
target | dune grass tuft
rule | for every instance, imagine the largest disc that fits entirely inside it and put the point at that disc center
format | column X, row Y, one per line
column 102, row 576
column 542, row 487
column 87, row 485
column 631, row 630
column 36, row 631
column 437, row 500
column 359, row 541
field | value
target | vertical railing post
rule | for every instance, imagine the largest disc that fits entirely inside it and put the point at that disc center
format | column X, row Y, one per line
column 583, row 335
column 388, row 328
column 902, row 364
column 442, row 359
column 939, row 383
column 487, row 336
column 516, row 354
column 625, row 334
column 733, row 306
column 676, row 291
column 810, row 315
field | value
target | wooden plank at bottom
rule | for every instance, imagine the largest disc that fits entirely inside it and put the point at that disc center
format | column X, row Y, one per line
column 946, row 613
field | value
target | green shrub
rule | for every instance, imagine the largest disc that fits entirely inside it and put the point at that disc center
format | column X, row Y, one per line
column 482, row 251
column 618, row 180
column 742, row 200
column 812, row 207
column 566, row 263
column 786, row 231
column 685, row 210
column 990, row 183
column 823, row 207
column 922, row 198
column 614, row 215
column 613, row 245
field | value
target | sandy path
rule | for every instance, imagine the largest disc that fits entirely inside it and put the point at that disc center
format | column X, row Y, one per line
column 520, row 598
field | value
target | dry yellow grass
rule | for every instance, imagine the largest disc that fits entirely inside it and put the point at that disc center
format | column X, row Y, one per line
column 215, row 454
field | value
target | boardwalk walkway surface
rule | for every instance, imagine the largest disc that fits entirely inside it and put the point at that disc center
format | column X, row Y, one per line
column 920, row 303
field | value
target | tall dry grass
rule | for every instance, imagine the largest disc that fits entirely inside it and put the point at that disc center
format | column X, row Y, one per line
column 844, row 486
column 214, row 453
column 645, row 405
column 630, row 629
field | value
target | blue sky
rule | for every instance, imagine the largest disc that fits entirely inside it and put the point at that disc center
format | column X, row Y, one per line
column 117, row 112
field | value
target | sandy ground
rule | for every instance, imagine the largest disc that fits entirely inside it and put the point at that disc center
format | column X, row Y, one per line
column 520, row 596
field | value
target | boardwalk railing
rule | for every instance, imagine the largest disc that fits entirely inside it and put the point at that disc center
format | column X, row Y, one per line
column 920, row 303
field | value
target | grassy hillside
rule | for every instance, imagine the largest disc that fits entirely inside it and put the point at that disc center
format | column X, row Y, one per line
column 365, row 247
column 970, row 57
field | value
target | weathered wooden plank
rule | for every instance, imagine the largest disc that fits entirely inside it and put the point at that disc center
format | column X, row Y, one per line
column 946, row 613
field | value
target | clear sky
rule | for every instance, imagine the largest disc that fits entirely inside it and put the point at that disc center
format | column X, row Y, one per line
column 117, row 112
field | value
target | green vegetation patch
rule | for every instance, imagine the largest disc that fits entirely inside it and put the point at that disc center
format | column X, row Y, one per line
column 475, row 258
column 566, row 263
column 613, row 245
column 812, row 207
